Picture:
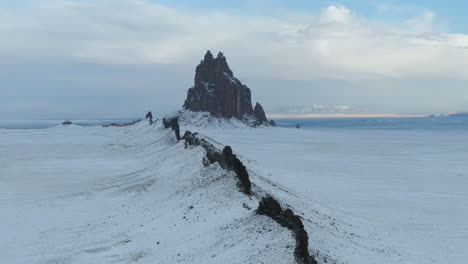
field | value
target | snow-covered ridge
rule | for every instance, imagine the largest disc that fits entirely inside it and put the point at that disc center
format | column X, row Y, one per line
column 329, row 235
column 189, row 118
column 136, row 194
column 268, row 205
column 126, row 195
column 206, row 120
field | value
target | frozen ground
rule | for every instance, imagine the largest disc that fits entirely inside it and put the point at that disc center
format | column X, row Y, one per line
column 392, row 196
column 124, row 195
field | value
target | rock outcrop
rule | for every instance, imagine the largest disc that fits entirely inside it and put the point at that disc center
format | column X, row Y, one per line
column 268, row 206
column 259, row 114
column 174, row 124
column 226, row 159
column 286, row 217
column 218, row 92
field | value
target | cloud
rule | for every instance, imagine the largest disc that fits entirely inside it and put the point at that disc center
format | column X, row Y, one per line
column 336, row 14
column 334, row 43
column 423, row 22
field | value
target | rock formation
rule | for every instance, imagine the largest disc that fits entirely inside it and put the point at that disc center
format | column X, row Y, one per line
column 174, row 124
column 226, row 159
column 259, row 114
column 218, row 92
column 287, row 218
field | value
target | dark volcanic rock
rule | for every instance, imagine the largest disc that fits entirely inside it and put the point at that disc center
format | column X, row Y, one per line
column 174, row 124
column 217, row 91
column 272, row 123
column 226, row 159
column 286, row 218
column 259, row 114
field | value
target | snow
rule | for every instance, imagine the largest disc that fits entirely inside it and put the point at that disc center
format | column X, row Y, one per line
column 72, row 194
column 231, row 79
column 367, row 196
column 206, row 120
column 209, row 87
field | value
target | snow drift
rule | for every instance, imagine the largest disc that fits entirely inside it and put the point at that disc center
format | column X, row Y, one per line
column 127, row 195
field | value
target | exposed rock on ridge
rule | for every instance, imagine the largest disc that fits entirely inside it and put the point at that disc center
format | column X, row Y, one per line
column 259, row 114
column 218, row 92
column 270, row 207
column 226, row 159
column 174, row 124
column 267, row 206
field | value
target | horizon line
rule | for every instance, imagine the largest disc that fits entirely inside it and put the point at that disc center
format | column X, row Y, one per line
column 312, row 116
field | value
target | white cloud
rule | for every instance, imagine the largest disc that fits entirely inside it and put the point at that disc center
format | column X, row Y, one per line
column 423, row 22
column 336, row 14
column 334, row 43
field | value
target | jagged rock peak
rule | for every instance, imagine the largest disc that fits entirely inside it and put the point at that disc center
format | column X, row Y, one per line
column 208, row 56
column 215, row 90
column 211, row 68
column 259, row 113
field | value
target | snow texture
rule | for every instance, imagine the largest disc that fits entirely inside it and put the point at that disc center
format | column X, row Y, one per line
column 125, row 195
column 134, row 194
column 365, row 196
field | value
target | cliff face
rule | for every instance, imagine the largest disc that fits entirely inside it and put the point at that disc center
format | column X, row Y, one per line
column 217, row 91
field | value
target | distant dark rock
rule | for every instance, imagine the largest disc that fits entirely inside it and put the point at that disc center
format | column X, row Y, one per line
column 272, row 123
column 259, row 114
column 217, row 91
column 67, row 122
column 150, row 116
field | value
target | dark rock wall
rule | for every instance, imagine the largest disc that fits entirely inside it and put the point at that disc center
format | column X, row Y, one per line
column 226, row 159
column 217, row 91
column 286, row 218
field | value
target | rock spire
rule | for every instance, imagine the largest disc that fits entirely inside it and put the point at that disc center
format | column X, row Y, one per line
column 217, row 91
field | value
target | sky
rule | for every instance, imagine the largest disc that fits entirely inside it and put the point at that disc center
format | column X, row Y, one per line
column 70, row 59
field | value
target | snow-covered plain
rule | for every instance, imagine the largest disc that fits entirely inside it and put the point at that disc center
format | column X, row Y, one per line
column 371, row 196
column 74, row 194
